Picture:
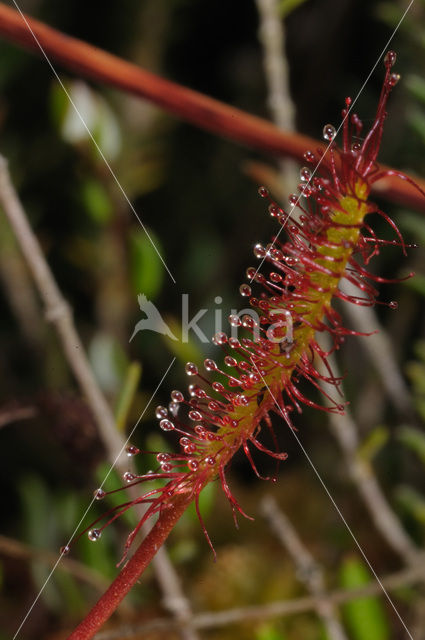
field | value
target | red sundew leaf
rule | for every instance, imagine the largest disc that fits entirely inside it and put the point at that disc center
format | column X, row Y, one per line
column 306, row 271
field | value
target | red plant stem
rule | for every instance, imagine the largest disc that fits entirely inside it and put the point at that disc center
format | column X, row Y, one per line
column 132, row 571
column 203, row 111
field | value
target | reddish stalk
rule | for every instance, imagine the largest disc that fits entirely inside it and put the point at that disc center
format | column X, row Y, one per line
column 132, row 571
column 207, row 113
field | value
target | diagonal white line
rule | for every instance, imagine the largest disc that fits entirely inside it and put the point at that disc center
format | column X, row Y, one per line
column 338, row 510
column 92, row 501
column 293, row 206
column 99, row 150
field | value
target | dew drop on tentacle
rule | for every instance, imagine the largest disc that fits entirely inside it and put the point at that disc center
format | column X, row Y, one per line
column 275, row 211
column 305, row 190
column 99, row 494
column 305, row 174
column 393, row 304
column 259, row 251
column 166, row 425
column 235, row 321
column 173, row 408
column 191, row 369
column 248, row 322
column 177, row 396
column 193, row 464
column 241, row 401
column 390, row 58
column 263, row 192
column 309, row 156
column 329, row 132
column 393, row 79
column 131, row 450
column 128, row 476
column 94, row 535
column 163, row 457
column 250, row 272
column 64, row 550
column 210, row 365
column 161, row 412
column 219, row 338
column 245, row 290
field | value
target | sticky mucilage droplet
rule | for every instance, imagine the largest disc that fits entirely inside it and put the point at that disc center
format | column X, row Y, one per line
column 329, row 132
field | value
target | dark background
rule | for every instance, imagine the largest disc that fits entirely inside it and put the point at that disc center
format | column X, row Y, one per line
column 193, row 192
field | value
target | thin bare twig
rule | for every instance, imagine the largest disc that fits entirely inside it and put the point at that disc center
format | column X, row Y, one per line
column 203, row 111
column 309, row 572
column 210, row 620
column 14, row 414
column 380, row 350
column 345, row 431
column 272, row 38
column 15, row 549
column 17, row 285
column 59, row 314
column 57, row 311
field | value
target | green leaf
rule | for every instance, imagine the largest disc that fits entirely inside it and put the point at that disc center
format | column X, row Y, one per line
column 373, row 443
column 414, row 439
column 414, row 224
column 71, row 594
column 389, row 13
column 100, row 554
column 416, row 284
column 416, row 120
column 96, row 201
column 109, row 361
column 416, row 85
column 83, row 115
column 420, row 350
column 39, row 531
column 412, row 502
column 288, row 6
column 268, row 631
column 184, row 351
column 146, row 268
column 365, row 617
column 127, row 394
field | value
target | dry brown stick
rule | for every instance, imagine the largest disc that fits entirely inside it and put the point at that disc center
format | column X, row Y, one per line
column 210, row 620
column 15, row 549
column 362, row 474
column 17, row 285
column 59, row 314
column 309, row 572
column 57, row 311
column 13, row 414
column 271, row 34
column 203, row 111
column 380, row 350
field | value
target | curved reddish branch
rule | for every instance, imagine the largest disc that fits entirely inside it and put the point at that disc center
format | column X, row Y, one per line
column 207, row 113
column 132, row 571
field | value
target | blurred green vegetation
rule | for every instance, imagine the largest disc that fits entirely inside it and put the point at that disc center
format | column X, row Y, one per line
column 202, row 212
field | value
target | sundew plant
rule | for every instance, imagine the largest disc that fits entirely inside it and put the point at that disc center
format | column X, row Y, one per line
column 325, row 236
